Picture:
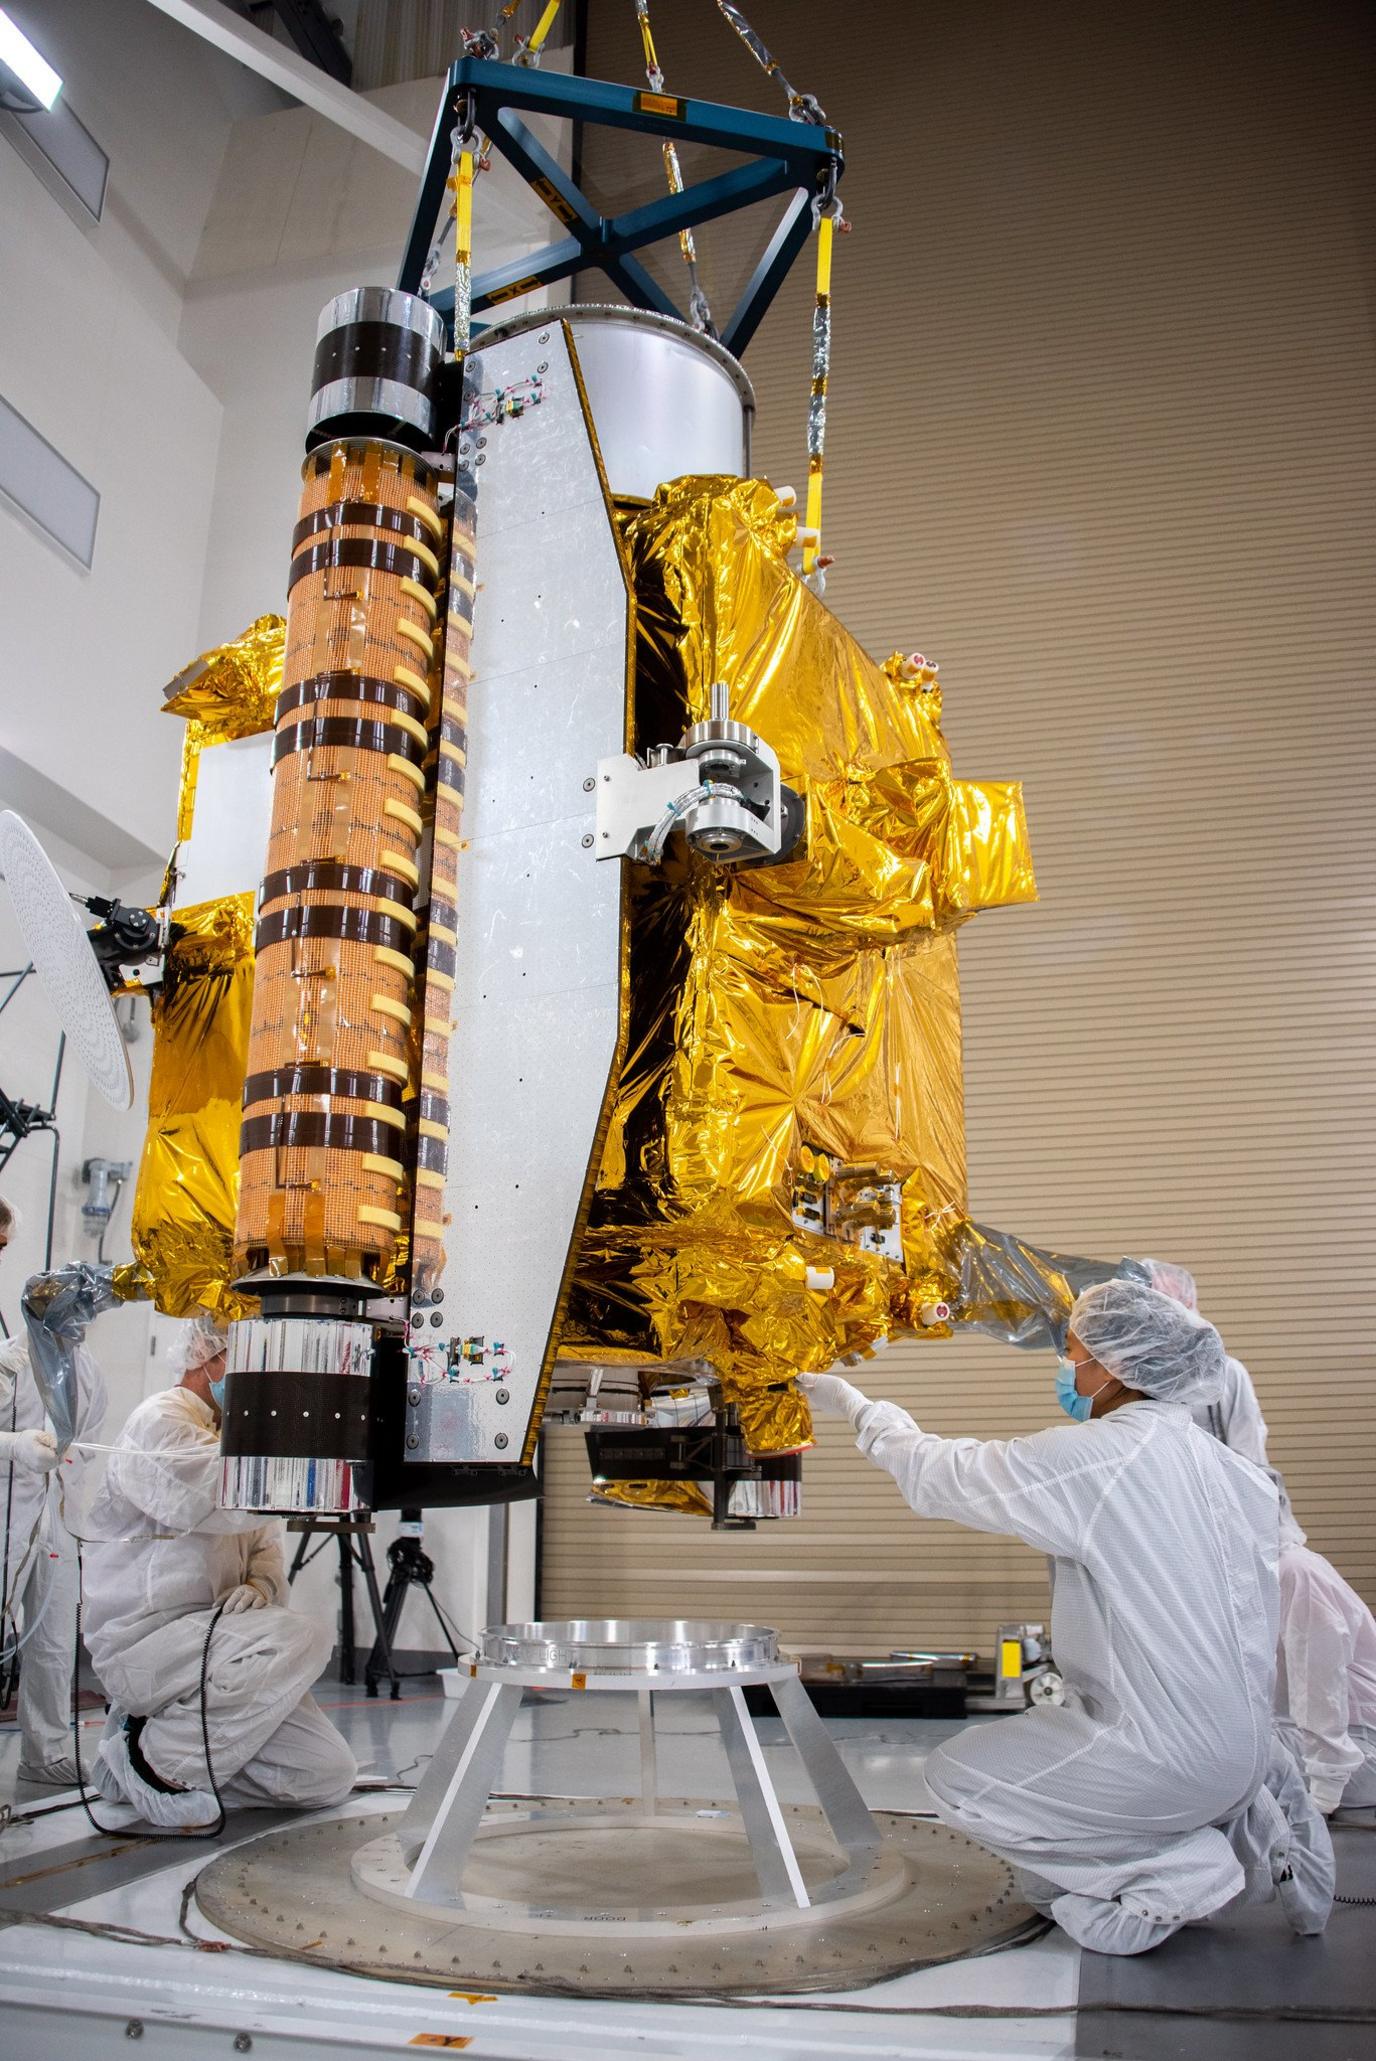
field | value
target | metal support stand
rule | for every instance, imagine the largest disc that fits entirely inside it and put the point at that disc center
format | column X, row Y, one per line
column 436, row 1836
column 598, row 1893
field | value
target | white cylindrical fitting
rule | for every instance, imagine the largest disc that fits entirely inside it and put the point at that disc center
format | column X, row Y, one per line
column 665, row 399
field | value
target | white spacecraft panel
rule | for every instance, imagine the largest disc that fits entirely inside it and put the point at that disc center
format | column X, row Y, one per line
column 537, row 996
column 230, row 821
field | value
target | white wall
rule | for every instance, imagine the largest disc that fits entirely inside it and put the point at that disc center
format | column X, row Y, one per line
column 88, row 353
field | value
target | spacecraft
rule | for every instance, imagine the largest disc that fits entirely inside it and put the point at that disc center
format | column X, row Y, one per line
column 556, row 1019
column 555, row 990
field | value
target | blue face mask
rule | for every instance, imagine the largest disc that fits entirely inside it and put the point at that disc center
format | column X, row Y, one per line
column 217, row 1389
column 1068, row 1396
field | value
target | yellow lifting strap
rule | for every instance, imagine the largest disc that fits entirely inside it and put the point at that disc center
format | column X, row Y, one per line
column 462, row 183
column 817, row 405
column 531, row 48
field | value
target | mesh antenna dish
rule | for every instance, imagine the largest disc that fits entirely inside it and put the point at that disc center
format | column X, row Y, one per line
column 55, row 939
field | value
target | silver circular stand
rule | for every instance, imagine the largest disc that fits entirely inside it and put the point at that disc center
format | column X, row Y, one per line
column 655, row 1892
column 425, row 1860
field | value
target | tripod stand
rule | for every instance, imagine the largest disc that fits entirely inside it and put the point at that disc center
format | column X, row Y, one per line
column 410, row 1567
column 408, row 1564
column 352, row 1535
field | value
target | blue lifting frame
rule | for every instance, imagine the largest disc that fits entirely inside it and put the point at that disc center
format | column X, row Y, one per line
column 800, row 159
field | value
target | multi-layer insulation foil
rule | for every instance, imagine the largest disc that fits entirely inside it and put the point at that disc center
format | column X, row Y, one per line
column 188, row 1181
column 324, row 1150
column 187, row 1193
column 227, row 693
column 785, row 1165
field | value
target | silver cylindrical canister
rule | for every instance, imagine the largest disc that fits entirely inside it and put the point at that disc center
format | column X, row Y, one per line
column 295, row 1430
column 378, row 354
column 665, row 400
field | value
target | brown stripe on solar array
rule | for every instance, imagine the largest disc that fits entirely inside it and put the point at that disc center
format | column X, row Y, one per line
column 333, row 1012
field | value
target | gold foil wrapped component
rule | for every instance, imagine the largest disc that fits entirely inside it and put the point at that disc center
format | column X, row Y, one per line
column 232, row 690
column 685, row 1498
column 229, row 691
column 795, row 1029
column 987, row 848
column 775, row 1420
column 188, row 1180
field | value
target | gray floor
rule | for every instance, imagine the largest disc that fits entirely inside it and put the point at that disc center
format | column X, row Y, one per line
column 1011, row 2004
column 1252, row 1961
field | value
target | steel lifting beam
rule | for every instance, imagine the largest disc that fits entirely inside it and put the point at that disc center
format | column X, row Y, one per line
column 784, row 157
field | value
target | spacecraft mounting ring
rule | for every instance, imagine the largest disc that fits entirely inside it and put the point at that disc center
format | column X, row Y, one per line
column 628, row 1647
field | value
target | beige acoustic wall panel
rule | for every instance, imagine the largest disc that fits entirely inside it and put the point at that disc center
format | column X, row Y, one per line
column 1103, row 441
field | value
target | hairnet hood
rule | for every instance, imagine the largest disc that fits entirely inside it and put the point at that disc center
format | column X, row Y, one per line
column 1173, row 1280
column 201, row 1342
column 1150, row 1341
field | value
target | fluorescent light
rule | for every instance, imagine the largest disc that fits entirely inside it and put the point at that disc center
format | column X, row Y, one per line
column 18, row 55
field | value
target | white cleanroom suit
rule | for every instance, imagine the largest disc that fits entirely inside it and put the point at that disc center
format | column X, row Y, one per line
column 1157, row 1793
column 1235, row 1418
column 1326, row 1672
column 162, row 1555
column 1326, row 1676
column 40, row 1559
column 1234, row 1415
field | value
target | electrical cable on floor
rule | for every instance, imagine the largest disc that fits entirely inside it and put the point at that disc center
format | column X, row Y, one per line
column 455, row 1631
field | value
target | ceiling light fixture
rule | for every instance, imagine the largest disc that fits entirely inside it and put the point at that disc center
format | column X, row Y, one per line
column 28, row 83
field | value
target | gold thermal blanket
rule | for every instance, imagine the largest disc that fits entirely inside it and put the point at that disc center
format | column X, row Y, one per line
column 795, row 1028
column 188, row 1180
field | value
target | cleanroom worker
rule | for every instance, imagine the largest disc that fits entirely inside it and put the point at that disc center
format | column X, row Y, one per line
column 1158, row 1792
column 1326, row 1676
column 1235, row 1414
column 40, row 1572
column 162, row 1557
column 1326, row 1672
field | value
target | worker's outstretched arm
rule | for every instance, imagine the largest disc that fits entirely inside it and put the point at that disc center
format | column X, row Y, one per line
column 1043, row 1489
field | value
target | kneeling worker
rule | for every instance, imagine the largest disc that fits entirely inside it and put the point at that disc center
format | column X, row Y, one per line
column 163, row 1556
column 1157, row 1793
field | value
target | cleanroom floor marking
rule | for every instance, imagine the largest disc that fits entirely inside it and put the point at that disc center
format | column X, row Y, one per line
column 1252, row 1960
